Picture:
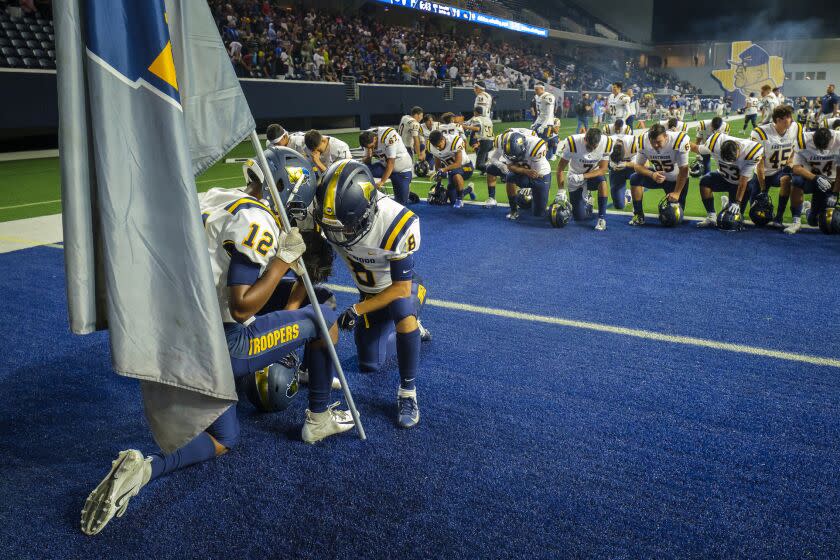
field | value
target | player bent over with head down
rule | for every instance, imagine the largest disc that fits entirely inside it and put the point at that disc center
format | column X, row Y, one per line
column 667, row 151
column 815, row 173
column 496, row 167
column 780, row 139
column 528, row 170
column 377, row 237
column 737, row 160
column 452, row 164
column 587, row 157
column 394, row 161
column 264, row 323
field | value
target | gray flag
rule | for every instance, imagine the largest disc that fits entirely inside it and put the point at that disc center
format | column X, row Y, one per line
column 139, row 115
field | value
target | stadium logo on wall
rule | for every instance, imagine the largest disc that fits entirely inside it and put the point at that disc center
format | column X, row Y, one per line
column 750, row 67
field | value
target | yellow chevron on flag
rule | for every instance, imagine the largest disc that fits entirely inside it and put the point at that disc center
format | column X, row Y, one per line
column 164, row 66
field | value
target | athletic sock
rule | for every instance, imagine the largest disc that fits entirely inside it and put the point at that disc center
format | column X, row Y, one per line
column 780, row 211
column 321, row 371
column 512, row 204
column 451, row 194
column 200, row 448
column 491, row 191
column 602, row 207
column 796, row 211
column 709, row 204
column 408, row 357
column 638, row 208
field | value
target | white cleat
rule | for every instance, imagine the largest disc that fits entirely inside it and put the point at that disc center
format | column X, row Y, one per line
column 320, row 425
column 709, row 221
column 129, row 472
column 724, row 201
column 490, row 203
column 512, row 216
column 425, row 334
column 793, row 228
column 601, row 225
column 303, row 378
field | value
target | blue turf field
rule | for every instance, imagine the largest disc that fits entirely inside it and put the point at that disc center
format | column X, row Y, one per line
column 536, row 440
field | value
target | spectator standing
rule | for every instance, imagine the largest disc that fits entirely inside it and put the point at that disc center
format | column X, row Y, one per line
column 567, row 105
column 584, row 112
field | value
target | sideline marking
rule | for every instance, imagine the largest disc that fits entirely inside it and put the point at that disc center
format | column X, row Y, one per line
column 625, row 331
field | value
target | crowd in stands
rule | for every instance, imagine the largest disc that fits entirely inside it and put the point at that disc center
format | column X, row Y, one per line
column 265, row 41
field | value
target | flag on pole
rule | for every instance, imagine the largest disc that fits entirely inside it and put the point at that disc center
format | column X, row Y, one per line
column 147, row 99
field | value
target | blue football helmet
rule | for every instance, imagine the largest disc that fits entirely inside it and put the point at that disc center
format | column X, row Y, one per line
column 272, row 389
column 296, row 181
column 560, row 213
column 670, row 213
column 524, row 198
column 761, row 209
column 514, row 146
column 345, row 202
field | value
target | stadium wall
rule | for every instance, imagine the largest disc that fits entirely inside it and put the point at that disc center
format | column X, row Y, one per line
column 701, row 76
column 32, row 98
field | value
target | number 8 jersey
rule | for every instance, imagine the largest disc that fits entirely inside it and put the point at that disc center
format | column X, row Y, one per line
column 394, row 236
column 237, row 226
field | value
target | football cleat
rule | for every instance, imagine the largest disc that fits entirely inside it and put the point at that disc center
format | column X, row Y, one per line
column 601, row 225
column 490, row 203
column 469, row 191
column 775, row 224
column 129, row 472
column 793, row 228
column 708, row 221
column 458, row 204
column 425, row 334
column 303, row 378
column 409, row 412
column 320, row 425
column 512, row 215
column 637, row 220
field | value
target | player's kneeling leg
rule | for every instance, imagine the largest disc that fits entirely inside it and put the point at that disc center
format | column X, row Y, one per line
column 402, row 186
column 375, row 340
column 581, row 204
column 539, row 192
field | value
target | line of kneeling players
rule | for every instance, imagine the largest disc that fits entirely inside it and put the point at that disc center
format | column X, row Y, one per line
column 778, row 154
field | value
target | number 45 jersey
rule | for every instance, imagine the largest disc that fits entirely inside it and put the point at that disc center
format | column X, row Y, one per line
column 238, row 226
column 778, row 147
column 394, row 236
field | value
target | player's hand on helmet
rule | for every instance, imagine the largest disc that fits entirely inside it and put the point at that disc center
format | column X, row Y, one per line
column 440, row 175
column 672, row 197
column 734, row 208
column 348, row 319
column 561, row 197
column 824, row 184
column 291, row 246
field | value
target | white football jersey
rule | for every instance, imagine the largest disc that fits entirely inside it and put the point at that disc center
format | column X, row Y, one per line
column 583, row 161
column 454, row 145
column 297, row 142
column 486, row 131
column 545, row 109
column 830, row 122
column 704, row 129
column 751, row 104
column 234, row 221
column 394, row 235
column 390, row 145
column 778, row 147
column 819, row 162
column 535, row 150
column 681, row 126
column 767, row 104
column 409, row 129
column 425, row 131
column 336, row 150
column 668, row 160
column 453, row 129
column 609, row 130
column 749, row 154
column 484, row 100
column 619, row 105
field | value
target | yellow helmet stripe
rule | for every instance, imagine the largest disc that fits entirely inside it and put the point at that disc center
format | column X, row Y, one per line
column 329, row 196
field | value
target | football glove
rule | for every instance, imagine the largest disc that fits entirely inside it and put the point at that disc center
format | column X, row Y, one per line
column 439, row 176
column 576, row 177
column 824, row 184
column 291, row 246
column 348, row 319
column 561, row 197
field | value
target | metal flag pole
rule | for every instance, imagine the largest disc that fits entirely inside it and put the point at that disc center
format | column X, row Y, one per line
column 310, row 290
